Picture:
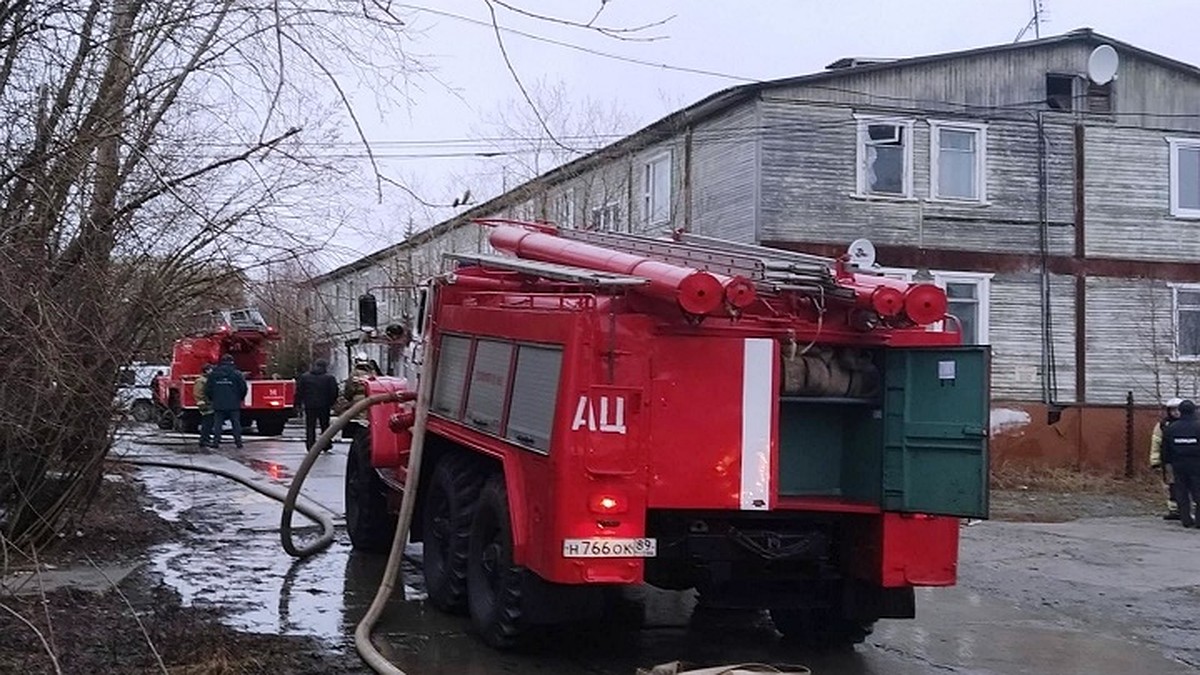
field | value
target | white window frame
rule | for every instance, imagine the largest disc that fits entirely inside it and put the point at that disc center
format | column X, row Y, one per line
column 1176, row 356
column 860, row 189
column 935, row 150
column 983, row 294
column 564, row 212
column 607, row 207
column 649, row 205
column 1175, row 144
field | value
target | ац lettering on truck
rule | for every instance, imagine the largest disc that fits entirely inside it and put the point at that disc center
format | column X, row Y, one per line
column 776, row 430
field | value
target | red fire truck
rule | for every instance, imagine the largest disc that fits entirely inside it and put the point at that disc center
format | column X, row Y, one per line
column 243, row 334
column 776, row 430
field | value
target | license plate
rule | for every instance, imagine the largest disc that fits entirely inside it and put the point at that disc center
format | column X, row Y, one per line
column 600, row 547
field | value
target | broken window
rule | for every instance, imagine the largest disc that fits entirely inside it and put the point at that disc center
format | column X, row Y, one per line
column 1060, row 92
column 883, row 158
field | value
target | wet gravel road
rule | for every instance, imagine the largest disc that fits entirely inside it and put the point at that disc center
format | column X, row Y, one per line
column 1095, row 596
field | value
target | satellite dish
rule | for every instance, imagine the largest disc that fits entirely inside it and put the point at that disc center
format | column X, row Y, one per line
column 862, row 253
column 1102, row 64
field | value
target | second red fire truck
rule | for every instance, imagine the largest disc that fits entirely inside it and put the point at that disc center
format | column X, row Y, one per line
column 244, row 335
column 773, row 429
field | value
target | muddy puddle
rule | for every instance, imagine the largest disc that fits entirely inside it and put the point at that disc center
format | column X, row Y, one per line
column 231, row 558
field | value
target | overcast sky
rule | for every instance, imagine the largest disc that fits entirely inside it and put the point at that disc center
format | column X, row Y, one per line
column 747, row 39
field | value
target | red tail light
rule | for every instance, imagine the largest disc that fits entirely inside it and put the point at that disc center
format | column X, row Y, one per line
column 606, row 503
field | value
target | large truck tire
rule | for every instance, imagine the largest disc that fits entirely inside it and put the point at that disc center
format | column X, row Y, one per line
column 188, row 422
column 166, row 419
column 493, row 581
column 451, row 497
column 142, row 410
column 368, row 520
column 820, row 628
column 270, row 424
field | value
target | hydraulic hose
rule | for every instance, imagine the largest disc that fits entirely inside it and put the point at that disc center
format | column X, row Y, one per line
column 277, row 494
column 392, row 572
column 323, row 441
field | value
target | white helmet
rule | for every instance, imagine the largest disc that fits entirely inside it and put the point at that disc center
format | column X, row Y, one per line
column 1173, row 402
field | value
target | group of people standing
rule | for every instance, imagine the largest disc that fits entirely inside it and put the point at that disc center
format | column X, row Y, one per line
column 221, row 387
column 219, row 391
column 319, row 393
column 1175, row 451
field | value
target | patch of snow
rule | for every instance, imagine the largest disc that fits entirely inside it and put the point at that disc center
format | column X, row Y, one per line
column 1008, row 419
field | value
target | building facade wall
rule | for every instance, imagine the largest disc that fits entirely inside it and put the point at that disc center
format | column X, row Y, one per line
column 783, row 168
column 724, row 175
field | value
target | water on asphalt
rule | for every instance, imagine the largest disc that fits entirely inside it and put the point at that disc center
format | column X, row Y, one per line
column 1002, row 618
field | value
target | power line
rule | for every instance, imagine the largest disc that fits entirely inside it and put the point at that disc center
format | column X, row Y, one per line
column 581, row 48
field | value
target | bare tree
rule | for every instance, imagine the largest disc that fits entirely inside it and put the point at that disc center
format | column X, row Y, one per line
column 525, row 149
column 279, row 295
column 1168, row 334
column 154, row 153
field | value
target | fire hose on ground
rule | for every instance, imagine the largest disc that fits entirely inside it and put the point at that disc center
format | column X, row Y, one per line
column 289, row 499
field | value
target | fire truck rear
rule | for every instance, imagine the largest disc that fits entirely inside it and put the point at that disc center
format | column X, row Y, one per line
column 244, row 335
column 775, row 430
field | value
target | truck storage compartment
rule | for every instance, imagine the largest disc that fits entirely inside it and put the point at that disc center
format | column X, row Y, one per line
column 912, row 436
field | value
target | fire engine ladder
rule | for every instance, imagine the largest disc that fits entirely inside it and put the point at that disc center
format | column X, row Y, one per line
column 552, row 271
column 771, row 270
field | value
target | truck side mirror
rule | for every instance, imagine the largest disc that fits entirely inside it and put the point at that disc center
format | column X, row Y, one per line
column 422, row 307
column 368, row 312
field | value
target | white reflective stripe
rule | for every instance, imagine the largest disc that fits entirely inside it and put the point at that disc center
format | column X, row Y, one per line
column 249, row 400
column 757, row 399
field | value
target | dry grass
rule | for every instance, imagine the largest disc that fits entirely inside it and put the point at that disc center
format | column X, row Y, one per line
column 1007, row 476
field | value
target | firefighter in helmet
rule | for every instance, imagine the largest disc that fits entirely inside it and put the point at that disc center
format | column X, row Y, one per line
column 1170, row 414
column 354, row 389
column 204, row 406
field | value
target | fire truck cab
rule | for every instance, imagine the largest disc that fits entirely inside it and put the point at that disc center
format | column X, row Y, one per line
column 775, row 430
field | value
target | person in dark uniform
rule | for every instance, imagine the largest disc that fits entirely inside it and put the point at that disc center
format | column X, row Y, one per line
column 1181, row 449
column 1170, row 414
column 316, row 391
column 226, row 387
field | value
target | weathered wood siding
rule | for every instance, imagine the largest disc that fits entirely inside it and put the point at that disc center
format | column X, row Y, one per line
column 809, row 179
column 1128, row 198
column 1009, row 84
column 1130, row 343
column 724, row 175
column 1016, row 336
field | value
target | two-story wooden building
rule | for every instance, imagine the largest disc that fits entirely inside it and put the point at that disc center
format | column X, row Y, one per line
column 1059, row 213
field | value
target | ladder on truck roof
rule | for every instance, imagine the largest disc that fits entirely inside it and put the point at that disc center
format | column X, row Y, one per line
column 771, row 270
column 552, row 271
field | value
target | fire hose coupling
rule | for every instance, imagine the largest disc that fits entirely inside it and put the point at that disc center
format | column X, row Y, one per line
column 406, row 417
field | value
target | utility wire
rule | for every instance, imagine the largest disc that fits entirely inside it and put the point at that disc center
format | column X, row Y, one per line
column 580, row 48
